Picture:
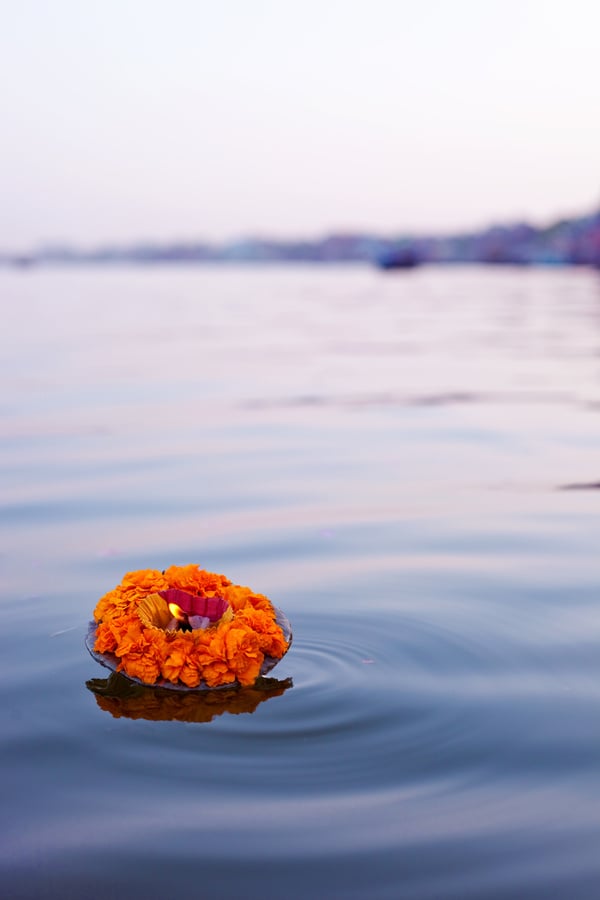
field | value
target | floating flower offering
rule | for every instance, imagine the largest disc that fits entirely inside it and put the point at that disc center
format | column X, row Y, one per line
column 185, row 628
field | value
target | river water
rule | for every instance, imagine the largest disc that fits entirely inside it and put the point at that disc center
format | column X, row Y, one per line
column 406, row 465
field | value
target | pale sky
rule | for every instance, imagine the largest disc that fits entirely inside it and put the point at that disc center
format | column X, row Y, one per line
column 211, row 119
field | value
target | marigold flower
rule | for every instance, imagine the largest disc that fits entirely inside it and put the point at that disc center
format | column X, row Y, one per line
column 175, row 657
column 243, row 653
column 270, row 636
column 145, row 581
column 195, row 580
column 106, row 641
column 232, row 649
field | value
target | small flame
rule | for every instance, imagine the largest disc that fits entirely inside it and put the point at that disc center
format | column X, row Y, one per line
column 177, row 612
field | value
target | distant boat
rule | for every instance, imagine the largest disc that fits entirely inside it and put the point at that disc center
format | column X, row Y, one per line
column 23, row 262
column 404, row 258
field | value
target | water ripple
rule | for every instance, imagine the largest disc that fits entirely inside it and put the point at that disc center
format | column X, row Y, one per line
column 434, row 730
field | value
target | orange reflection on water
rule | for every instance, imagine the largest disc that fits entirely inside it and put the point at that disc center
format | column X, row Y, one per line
column 122, row 698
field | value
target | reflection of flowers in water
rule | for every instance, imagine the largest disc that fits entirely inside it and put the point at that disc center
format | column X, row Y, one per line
column 121, row 697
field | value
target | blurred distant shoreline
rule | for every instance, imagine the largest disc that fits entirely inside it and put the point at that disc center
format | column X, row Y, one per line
column 574, row 241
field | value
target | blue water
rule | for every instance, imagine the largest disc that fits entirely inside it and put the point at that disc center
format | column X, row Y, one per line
column 406, row 466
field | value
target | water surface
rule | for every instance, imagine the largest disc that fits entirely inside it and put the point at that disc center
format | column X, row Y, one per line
column 387, row 458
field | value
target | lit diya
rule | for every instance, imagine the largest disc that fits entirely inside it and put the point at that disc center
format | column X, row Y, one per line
column 187, row 629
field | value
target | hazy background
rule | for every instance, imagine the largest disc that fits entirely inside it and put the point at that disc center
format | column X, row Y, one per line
column 141, row 119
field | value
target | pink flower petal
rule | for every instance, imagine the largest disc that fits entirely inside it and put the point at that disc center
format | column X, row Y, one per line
column 213, row 607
